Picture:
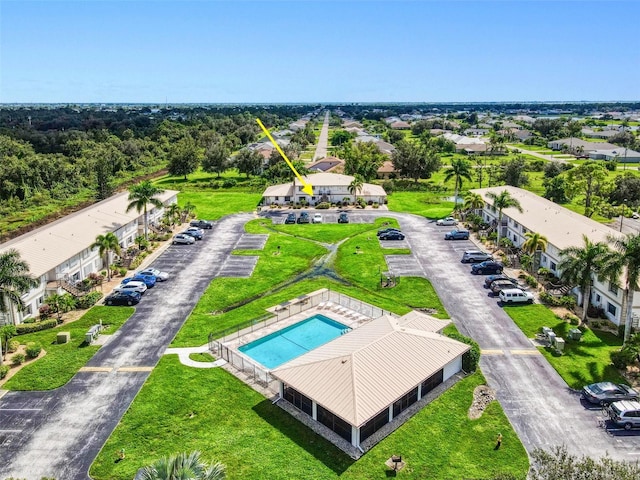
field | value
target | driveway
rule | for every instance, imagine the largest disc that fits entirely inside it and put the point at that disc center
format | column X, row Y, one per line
column 59, row 433
column 323, row 139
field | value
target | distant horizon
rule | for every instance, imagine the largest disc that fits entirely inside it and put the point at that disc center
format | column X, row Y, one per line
column 270, row 52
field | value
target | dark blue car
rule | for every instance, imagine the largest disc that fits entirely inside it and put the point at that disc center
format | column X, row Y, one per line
column 148, row 280
column 123, row 298
column 484, row 268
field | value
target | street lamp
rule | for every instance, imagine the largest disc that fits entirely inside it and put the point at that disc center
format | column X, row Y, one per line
column 622, row 213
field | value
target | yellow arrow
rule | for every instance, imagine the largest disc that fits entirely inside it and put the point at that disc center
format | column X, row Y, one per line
column 307, row 188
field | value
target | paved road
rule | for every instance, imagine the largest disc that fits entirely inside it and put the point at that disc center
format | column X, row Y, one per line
column 549, row 158
column 59, row 433
column 323, row 139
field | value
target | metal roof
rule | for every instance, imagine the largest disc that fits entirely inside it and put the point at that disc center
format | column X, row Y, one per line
column 51, row 245
column 362, row 372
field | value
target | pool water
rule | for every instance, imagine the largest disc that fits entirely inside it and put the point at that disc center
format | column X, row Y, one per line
column 291, row 342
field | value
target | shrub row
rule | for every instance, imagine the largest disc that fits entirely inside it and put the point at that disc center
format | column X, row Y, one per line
column 89, row 300
column 566, row 301
column 23, row 328
column 471, row 358
column 4, row 369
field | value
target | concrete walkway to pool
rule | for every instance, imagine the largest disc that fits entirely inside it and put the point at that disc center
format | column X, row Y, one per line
column 183, row 355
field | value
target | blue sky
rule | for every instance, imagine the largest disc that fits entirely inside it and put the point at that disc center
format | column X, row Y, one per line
column 318, row 51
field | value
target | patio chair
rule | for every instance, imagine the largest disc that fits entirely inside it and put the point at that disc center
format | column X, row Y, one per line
column 321, row 305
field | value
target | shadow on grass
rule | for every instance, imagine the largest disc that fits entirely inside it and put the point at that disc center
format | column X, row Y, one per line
column 327, row 453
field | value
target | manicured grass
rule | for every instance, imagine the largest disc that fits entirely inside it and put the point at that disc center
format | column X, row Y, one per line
column 582, row 362
column 426, row 204
column 212, row 411
column 63, row 361
column 212, row 205
column 333, row 233
column 201, row 357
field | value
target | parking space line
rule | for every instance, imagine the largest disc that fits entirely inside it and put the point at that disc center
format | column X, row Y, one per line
column 20, row 409
column 525, row 351
column 96, row 369
column 492, row 352
column 10, row 431
column 135, row 369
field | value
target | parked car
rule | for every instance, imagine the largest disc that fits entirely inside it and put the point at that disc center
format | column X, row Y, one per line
column 387, row 230
column 303, row 218
column 291, row 218
column 123, row 298
column 196, row 234
column 457, row 235
column 195, row 229
column 148, row 279
column 343, row 217
column 392, row 236
column 488, row 266
column 475, row 256
column 160, row 276
column 183, row 239
column 499, row 276
column 625, row 414
column 499, row 285
column 317, row 218
column 449, row 221
column 206, row 224
column 604, row 393
column 132, row 286
column 515, row 295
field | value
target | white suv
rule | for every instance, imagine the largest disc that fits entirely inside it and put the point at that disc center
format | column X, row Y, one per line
column 625, row 414
column 515, row 295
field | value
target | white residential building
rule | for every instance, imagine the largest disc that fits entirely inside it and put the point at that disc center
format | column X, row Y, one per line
column 562, row 228
column 60, row 251
column 327, row 187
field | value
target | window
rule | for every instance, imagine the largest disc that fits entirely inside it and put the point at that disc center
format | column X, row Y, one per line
column 515, row 224
column 375, row 424
column 553, row 266
column 598, row 298
column 334, row 423
column 613, row 288
column 405, row 402
column 287, row 199
column 28, row 310
column 277, row 198
column 298, row 400
column 40, row 300
column 432, row 382
column 611, row 309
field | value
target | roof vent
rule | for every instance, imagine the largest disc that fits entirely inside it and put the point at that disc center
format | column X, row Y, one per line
column 344, row 360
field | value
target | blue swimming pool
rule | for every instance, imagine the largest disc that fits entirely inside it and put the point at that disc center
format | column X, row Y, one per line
column 291, row 342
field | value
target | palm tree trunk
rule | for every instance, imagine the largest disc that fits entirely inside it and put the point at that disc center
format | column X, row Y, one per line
column 455, row 197
column 106, row 261
column 498, row 228
column 627, row 323
column 585, row 302
column 146, row 221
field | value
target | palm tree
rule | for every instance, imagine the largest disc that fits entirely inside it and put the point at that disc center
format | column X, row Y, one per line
column 579, row 264
column 183, row 466
column 61, row 303
column 501, row 201
column 473, row 201
column 460, row 168
column 356, row 186
column 173, row 213
column 140, row 196
column 625, row 258
column 106, row 244
column 534, row 243
column 187, row 209
column 15, row 280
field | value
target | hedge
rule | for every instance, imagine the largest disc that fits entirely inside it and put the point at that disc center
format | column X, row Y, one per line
column 23, row 328
column 89, row 300
column 471, row 358
column 4, row 369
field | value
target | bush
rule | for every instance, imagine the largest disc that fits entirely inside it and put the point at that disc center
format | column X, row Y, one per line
column 531, row 281
column 4, row 369
column 23, row 328
column 549, row 299
column 33, row 350
column 29, row 320
column 45, row 311
column 18, row 359
column 323, row 206
column 13, row 346
column 376, row 205
column 622, row 358
column 89, row 300
column 122, row 272
column 568, row 301
column 471, row 358
column 388, row 186
column 611, row 165
column 229, row 183
column 572, row 319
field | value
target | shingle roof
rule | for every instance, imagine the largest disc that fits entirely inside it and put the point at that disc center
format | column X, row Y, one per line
column 51, row 245
column 358, row 374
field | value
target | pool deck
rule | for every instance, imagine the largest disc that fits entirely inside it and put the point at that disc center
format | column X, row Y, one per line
column 349, row 318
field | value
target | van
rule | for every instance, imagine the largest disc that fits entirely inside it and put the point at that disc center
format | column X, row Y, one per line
column 625, row 413
column 515, row 295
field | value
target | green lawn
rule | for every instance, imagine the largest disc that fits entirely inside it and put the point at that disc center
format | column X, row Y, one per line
column 63, row 361
column 583, row 362
column 212, row 411
column 332, row 233
column 212, row 205
column 426, row 204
